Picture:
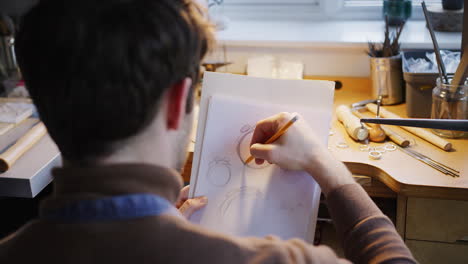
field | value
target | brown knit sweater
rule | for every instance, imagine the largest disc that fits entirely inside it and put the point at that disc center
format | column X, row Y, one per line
column 368, row 236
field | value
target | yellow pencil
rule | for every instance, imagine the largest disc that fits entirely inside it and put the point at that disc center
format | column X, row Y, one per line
column 277, row 135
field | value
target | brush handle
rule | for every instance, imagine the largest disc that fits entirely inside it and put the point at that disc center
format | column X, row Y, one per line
column 440, row 63
column 462, row 71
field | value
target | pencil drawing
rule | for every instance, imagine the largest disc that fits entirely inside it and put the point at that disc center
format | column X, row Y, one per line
column 284, row 206
column 246, row 129
column 219, row 172
column 239, row 196
column 290, row 206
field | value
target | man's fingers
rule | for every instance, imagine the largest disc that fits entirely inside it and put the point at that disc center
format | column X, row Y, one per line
column 263, row 130
column 184, row 193
column 263, row 152
column 192, row 205
column 183, row 196
column 268, row 127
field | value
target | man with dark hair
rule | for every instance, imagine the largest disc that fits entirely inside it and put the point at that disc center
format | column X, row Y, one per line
column 113, row 82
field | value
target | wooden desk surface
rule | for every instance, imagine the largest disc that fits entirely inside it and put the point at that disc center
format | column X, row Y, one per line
column 402, row 173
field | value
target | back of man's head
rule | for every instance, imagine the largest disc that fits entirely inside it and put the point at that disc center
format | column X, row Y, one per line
column 96, row 70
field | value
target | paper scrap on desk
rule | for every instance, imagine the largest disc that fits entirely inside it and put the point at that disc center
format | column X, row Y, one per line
column 14, row 112
column 254, row 200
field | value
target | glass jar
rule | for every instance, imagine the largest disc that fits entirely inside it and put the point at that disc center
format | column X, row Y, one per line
column 449, row 102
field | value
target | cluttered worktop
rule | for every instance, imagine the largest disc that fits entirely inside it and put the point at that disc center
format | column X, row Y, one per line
column 28, row 154
column 430, row 205
column 402, row 173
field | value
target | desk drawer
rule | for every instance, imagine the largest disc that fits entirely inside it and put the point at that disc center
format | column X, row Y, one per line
column 427, row 252
column 437, row 220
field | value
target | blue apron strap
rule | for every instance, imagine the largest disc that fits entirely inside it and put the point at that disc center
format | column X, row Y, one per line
column 113, row 208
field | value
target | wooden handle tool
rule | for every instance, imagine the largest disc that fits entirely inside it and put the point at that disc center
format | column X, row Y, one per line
column 352, row 124
column 13, row 153
column 394, row 136
column 422, row 133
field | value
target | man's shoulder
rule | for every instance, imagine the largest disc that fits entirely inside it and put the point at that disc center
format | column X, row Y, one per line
column 270, row 249
column 161, row 239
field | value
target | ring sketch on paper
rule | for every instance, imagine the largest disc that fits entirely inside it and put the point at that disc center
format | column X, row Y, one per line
column 251, row 203
column 239, row 196
column 290, row 207
column 243, row 147
column 219, row 172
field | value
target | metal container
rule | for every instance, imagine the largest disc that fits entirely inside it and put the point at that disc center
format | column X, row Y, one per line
column 387, row 79
column 419, row 86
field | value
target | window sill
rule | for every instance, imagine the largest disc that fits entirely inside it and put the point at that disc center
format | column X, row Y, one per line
column 329, row 48
column 329, row 34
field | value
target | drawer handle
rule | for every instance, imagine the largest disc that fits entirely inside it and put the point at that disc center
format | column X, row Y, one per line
column 463, row 240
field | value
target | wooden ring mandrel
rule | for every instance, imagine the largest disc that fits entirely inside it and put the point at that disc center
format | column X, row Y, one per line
column 395, row 137
column 422, row 133
column 352, row 124
column 13, row 153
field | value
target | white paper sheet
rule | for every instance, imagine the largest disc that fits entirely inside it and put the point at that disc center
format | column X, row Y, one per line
column 254, row 200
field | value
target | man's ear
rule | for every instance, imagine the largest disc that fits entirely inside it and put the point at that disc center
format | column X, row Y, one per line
column 177, row 101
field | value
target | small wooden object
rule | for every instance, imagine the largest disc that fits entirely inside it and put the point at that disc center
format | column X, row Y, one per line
column 376, row 133
column 424, row 134
column 352, row 124
column 12, row 154
column 394, row 136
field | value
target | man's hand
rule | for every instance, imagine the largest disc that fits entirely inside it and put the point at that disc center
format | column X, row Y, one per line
column 291, row 151
column 298, row 149
column 189, row 206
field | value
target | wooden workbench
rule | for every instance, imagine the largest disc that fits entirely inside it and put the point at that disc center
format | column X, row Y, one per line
column 432, row 207
column 400, row 172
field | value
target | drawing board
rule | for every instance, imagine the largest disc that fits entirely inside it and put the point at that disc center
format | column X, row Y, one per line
column 254, row 200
